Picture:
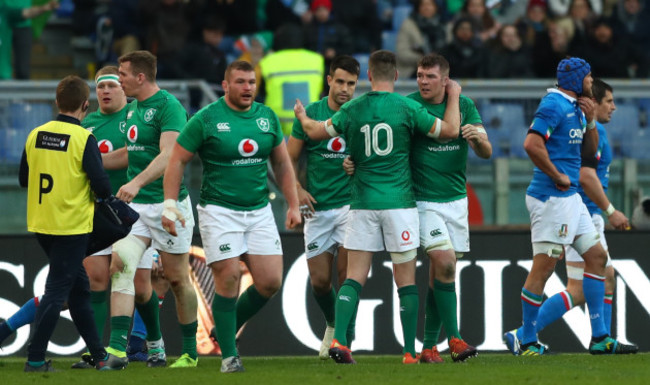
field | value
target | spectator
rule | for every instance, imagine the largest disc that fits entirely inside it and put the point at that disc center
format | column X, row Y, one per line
column 125, row 19
column 324, row 35
column 280, row 12
column 533, row 22
column 421, row 33
column 360, row 16
column 582, row 16
column 561, row 8
column 630, row 23
column 485, row 26
column 550, row 47
column 509, row 58
column 166, row 29
column 253, row 48
column 612, row 57
column 15, row 25
column 241, row 16
column 466, row 53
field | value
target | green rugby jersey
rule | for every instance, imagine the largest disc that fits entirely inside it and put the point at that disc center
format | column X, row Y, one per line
column 439, row 168
column 234, row 148
column 110, row 131
column 326, row 180
column 377, row 128
column 145, row 122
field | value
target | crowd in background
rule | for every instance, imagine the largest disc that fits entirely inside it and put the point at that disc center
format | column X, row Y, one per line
column 480, row 38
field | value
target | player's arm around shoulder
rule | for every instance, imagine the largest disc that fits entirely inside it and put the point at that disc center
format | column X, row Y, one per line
column 449, row 127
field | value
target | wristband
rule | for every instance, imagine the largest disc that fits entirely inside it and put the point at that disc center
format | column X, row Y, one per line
column 591, row 125
column 610, row 210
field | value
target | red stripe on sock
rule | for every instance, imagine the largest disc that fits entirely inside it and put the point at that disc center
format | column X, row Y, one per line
column 531, row 302
column 565, row 298
column 594, row 276
column 36, row 301
column 608, row 301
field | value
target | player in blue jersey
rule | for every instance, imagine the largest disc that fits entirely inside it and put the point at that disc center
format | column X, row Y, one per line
column 594, row 180
column 562, row 132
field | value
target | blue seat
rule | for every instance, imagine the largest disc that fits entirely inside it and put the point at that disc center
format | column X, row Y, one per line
column 497, row 148
column 637, row 144
column 22, row 119
column 625, row 122
column 400, row 13
column 362, row 58
column 509, row 122
column 389, row 40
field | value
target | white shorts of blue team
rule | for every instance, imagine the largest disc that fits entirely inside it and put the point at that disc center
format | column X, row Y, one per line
column 228, row 233
column 572, row 255
column 559, row 220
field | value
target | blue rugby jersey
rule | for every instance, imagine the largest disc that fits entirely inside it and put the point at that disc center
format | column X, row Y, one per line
column 561, row 122
column 604, row 158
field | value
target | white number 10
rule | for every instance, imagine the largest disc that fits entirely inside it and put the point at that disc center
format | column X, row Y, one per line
column 372, row 141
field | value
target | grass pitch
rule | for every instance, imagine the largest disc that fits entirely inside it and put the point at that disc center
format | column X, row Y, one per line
column 501, row 369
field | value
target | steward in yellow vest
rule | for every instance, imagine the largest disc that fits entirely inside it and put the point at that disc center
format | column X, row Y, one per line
column 60, row 165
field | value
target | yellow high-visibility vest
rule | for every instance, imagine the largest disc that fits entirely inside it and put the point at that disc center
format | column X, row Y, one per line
column 292, row 74
column 59, row 199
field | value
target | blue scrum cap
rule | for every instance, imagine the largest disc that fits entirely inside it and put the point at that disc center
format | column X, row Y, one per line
column 571, row 72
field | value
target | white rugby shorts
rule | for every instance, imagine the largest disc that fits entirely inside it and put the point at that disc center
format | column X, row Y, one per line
column 572, row 255
column 375, row 230
column 444, row 220
column 228, row 233
column 325, row 231
column 558, row 220
column 149, row 225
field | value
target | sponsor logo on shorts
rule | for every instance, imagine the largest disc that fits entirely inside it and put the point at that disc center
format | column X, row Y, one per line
column 132, row 134
column 263, row 124
column 148, row 115
column 223, row 127
column 564, row 230
column 224, row 248
column 312, row 246
column 406, row 235
column 105, row 146
column 277, row 243
column 435, row 232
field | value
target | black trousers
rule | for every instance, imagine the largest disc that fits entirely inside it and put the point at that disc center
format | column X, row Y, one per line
column 66, row 281
column 22, row 45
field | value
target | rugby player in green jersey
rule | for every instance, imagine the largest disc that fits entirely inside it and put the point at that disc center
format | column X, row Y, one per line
column 438, row 169
column 325, row 202
column 153, row 122
column 378, row 127
column 235, row 137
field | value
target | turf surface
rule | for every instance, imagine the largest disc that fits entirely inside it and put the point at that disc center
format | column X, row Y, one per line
column 502, row 369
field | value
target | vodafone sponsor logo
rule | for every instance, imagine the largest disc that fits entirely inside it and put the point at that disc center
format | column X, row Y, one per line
column 406, row 236
column 336, row 144
column 132, row 134
column 248, row 148
column 105, row 146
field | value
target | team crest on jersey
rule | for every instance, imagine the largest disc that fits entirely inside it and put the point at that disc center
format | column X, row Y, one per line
column 248, row 148
column 336, row 144
column 123, row 127
column 263, row 124
column 148, row 114
column 105, row 146
column 132, row 134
